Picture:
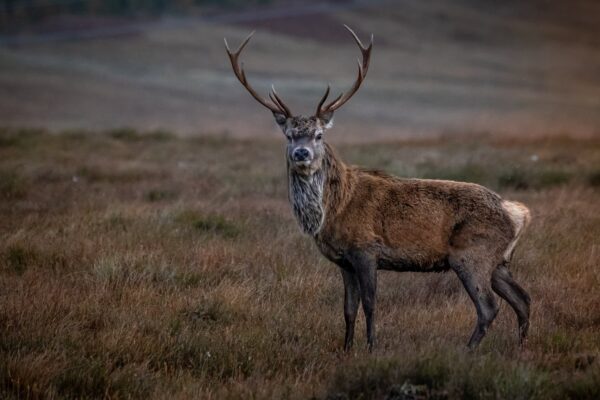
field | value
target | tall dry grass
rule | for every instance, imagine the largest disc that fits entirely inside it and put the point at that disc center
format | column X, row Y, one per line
column 148, row 266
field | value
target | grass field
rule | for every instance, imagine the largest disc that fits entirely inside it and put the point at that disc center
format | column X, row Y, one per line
column 152, row 266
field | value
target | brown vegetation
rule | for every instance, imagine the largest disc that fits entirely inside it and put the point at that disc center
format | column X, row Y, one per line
column 151, row 266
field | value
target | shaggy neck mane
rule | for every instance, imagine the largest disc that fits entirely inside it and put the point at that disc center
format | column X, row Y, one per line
column 315, row 196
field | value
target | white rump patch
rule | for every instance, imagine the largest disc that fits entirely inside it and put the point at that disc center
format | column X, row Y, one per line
column 520, row 217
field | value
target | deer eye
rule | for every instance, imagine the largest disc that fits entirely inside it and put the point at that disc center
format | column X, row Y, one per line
column 319, row 136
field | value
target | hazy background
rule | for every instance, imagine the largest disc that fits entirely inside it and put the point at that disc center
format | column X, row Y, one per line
column 438, row 67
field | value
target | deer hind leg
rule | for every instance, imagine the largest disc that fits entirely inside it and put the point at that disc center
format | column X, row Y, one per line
column 506, row 287
column 479, row 288
column 351, row 303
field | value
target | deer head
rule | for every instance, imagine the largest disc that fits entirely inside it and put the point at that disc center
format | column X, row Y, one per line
column 305, row 148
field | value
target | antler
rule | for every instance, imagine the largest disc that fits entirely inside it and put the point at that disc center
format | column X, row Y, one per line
column 276, row 105
column 362, row 74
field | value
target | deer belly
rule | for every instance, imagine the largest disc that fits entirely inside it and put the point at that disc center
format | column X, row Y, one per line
column 438, row 264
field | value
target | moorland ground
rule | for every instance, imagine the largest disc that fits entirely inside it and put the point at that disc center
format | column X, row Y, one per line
column 144, row 265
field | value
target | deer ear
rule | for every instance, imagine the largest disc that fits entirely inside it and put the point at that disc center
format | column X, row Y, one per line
column 280, row 119
column 327, row 119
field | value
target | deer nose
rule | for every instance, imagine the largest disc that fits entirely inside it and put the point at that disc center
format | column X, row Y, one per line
column 301, row 154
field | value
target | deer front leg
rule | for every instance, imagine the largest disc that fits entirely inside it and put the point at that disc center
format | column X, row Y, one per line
column 366, row 270
column 351, row 302
column 368, row 283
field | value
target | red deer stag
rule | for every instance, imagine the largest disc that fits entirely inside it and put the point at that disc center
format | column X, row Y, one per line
column 365, row 220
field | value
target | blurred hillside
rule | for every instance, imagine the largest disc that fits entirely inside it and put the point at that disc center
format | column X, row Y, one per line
column 21, row 14
column 527, row 68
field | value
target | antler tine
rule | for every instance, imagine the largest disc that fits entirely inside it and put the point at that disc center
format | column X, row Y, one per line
column 277, row 105
column 320, row 109
column 357, row 40
column 362, row 74
column 322, row 101
column 344, row 97
column 366, row 51
column 278, row 101
column 241, row 47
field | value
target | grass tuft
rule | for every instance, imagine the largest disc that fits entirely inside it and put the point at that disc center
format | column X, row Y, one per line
column 536, row 179
column 210, row 311
column 116, row 271
column 514, row 179
column 84, row 377
column 158, row 195
column 20, row 138
column 18, row 258
column 13, row 186
column 593, row 179
column 211, row 224
column 446, row 374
